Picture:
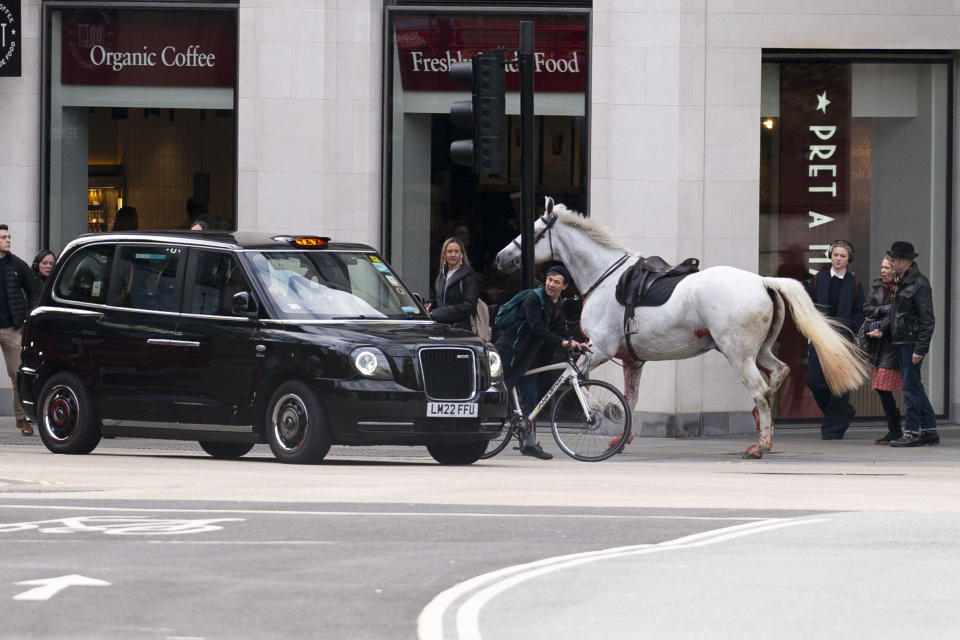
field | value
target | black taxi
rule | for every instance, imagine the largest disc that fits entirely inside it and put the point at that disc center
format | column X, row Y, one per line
column 233, row 339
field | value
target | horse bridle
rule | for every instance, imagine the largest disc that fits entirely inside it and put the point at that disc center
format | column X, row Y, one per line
column 549, row 222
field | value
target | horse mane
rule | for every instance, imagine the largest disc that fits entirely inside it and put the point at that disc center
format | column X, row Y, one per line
column 588, row 226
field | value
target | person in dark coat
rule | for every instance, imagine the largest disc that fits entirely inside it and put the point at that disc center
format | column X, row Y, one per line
column 43, row 265
column 533, row 339
column 19, row 293
column 886, row 369
column 838, row 294
column 456, row 288
column 911, row 328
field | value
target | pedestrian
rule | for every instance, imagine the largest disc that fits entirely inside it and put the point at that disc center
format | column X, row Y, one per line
column 533, row 339
column 456, row 288
column 127, row 219
column 19, row 294
column 911, row 328
column 838, row 294
column 886, row 371
column 43, row 265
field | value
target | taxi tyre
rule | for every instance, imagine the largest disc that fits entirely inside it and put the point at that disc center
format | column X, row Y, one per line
column 466, row 453
column 66, row 419
column 226, row 450
column 296, row 425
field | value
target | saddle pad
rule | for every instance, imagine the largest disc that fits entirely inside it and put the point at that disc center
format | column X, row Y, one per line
column 660, row 291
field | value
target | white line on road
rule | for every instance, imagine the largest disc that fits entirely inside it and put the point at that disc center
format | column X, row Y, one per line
column 431, row 514
column 48, row 587
column 430, row 621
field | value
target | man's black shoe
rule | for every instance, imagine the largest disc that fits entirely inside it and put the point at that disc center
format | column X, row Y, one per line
column 929, row 437
column 536, row 451
column 889, row 437
column 909, row 439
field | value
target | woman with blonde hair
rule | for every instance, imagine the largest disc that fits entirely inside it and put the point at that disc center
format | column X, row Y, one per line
column 456, row 288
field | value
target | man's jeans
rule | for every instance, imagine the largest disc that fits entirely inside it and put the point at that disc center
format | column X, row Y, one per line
column 919, row 415
column 10, row 339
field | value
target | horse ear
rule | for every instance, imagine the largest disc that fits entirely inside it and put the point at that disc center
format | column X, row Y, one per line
column 548, row 204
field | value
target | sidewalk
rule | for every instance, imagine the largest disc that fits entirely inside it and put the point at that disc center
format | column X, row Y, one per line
column 794, row 444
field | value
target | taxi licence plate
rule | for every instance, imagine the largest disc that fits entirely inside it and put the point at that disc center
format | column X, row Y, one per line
column 452, row 409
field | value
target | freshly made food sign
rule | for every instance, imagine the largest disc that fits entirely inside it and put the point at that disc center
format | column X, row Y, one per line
column 427, row 46
column 149, row 48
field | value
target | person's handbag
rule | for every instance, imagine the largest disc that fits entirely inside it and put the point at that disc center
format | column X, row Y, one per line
column 869, row 346
column 480, row 321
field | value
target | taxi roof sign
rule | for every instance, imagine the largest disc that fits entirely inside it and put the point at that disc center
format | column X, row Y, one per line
column 310, row 241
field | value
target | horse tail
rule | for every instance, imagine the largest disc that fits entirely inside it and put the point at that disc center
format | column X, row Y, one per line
column 843, row 365
column 776, row 323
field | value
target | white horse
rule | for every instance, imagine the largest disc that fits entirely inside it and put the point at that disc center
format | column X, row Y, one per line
column 736, row 312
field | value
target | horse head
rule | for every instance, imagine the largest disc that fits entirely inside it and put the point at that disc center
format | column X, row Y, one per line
column 508, row 260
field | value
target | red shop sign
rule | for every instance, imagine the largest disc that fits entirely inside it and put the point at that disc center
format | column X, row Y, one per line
column 149, row 48
column 428, row 44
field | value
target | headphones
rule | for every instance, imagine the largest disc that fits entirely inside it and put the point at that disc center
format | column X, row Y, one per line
column 843, row 244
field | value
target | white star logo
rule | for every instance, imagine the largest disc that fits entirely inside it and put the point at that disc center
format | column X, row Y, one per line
column 822, row 102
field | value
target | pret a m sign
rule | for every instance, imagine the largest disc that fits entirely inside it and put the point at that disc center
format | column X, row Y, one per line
column 10, row 38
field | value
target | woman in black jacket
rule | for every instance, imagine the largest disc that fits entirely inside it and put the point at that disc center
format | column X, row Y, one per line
column 886, row 371
column 456, row 288
column 43, row 265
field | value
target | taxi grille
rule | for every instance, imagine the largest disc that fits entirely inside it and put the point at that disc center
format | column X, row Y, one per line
column 448, row 373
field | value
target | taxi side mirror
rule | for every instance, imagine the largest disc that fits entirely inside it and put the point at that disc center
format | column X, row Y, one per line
column 244, row 305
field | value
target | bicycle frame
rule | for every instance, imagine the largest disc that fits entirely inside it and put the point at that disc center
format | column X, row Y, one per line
column 570, row 372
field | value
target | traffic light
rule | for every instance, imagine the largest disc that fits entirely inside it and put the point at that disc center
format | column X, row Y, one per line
column 486, row 113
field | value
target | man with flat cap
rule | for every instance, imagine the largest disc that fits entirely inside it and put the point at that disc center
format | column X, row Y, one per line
column 911, row 328
column 533, row 338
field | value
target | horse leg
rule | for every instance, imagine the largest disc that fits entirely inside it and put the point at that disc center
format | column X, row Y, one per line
column 631, row 385
column 754, row 381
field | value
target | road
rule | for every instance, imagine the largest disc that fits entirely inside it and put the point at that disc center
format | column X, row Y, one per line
column 672, row 539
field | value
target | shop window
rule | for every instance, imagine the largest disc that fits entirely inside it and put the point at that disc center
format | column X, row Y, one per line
column 141, row 131
column 857, row 149
column 428, row 198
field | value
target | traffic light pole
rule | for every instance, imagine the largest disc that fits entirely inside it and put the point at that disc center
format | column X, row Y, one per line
column 527, row 204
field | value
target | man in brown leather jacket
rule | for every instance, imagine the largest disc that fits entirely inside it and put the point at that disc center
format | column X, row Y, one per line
column 911, row 328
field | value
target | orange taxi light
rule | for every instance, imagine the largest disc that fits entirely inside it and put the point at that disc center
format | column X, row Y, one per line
column 311, row 241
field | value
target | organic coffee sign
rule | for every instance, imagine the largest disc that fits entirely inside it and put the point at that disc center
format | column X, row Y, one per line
column 149, row 48
column 10, row 38
column 428, row 44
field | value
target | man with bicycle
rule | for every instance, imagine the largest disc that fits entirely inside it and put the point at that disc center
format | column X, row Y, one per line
column 534, row 338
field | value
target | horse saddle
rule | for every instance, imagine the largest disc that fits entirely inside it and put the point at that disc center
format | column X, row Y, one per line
column 636, row 283
column 649, row 283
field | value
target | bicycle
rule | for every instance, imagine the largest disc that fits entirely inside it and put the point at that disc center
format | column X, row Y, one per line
column 590, row 420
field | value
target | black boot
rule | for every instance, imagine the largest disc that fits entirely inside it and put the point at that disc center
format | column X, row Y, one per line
column 894, row 430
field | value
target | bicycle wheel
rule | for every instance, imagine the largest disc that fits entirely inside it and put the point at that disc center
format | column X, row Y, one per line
column 498, row 444
column 596, row 436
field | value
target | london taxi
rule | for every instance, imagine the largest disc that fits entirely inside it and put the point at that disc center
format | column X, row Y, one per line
column 232, row 339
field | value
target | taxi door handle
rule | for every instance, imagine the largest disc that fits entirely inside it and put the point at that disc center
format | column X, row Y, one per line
column 173, row 343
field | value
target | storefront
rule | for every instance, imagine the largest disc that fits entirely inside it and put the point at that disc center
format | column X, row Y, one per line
column 684, row 127
column 427, row 197
column 140, row 118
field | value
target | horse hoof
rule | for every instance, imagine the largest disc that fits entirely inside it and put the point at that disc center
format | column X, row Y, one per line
column 753, row 452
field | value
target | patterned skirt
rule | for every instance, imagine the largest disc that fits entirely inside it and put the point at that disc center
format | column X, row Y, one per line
column 887, row 380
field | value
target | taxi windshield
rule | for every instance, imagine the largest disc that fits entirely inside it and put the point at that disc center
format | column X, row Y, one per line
column 323, row 285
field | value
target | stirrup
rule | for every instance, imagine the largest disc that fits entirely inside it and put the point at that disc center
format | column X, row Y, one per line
column 630, row 331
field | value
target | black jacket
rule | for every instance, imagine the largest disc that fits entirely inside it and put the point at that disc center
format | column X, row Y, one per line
column 538, row 335
column 850, row 304
column 877, row 308
column 913, row 320
column 456, row 298
column 23, row 290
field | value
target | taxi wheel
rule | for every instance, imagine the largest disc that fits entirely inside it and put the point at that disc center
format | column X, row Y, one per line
column 296, row 426
column 466, row 453
column 226, row 450
column 67, row 420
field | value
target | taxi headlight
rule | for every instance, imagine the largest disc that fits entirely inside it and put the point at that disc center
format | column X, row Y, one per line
column 371, row 362
column 495, row 364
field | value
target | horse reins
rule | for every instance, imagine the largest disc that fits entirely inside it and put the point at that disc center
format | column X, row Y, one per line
column 606, row 274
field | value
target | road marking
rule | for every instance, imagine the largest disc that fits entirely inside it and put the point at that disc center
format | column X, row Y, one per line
column 118, row 525
column 431, row 514
column 49, row 587
column 430, row 620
